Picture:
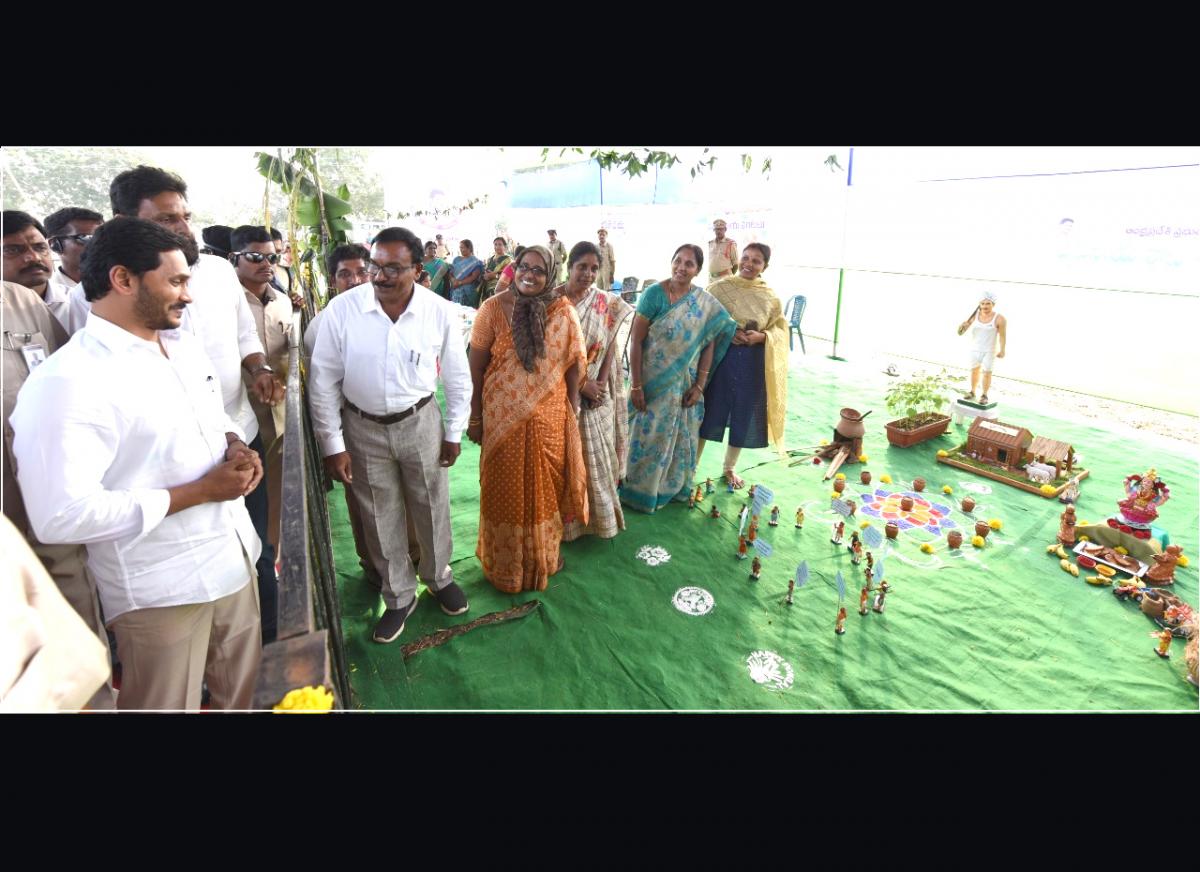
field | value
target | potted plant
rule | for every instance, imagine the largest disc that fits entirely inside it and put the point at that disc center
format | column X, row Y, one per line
column 920, row 399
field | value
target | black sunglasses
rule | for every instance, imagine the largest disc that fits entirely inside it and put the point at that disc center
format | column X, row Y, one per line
column 257, row 256
column 81, row 238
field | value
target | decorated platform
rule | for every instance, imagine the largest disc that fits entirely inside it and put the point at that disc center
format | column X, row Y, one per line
column 665, row 616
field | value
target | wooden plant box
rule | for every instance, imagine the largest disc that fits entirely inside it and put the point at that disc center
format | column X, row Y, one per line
column 906, row 438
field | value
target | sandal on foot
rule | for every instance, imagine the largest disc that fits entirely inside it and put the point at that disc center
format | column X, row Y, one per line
column 983, row 399
column 732, row 477
column 970, row 396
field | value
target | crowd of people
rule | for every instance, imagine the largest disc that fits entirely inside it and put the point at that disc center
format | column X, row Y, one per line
column 143, row 418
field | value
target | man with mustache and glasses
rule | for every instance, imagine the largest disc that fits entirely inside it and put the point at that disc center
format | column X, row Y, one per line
column 27, row 260
column 68, row 231
column 380, row 353
column 123, row 443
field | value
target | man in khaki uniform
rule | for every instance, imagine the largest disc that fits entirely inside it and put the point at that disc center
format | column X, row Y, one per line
column 559, row 271
column 31, row 334
column 608, row 262
column 722, row 253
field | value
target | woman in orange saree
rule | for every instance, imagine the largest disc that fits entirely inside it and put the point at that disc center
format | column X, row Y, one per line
column 527, row 362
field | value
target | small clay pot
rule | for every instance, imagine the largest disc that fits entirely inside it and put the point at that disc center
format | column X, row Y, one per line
column 892, row 530
column 906, row 504
column 1153, row 604
column 954, row 538
column 918, row 484
column 982, row 528
column 839, row 484
column 865, row 476
column 968, row 504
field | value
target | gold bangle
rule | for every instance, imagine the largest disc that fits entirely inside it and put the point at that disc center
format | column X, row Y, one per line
column 474, row 421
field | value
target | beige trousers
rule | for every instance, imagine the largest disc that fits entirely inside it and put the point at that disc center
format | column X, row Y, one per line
column 167, row 653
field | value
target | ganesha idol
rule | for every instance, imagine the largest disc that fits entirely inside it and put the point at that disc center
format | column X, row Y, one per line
column 1144, row 494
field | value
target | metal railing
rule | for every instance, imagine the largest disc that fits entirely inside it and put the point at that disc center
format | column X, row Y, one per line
column 309, row 649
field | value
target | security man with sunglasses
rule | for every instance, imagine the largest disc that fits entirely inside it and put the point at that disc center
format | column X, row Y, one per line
column 68, row 231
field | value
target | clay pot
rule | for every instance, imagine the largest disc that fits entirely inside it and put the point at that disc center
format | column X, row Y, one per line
column 851, row 424
column 954, row 538
column 1153, row 604
column 918, row 484
column 892, row 529
column 865, row 476
column 906, row 504
column 968, row 504
column 839, row 484
column 982, row 528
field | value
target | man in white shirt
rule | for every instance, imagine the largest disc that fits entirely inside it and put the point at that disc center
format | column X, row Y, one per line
column 220, row 317
column 27, row 261
column 122, row 443
column 381, row 349
column 68, row 231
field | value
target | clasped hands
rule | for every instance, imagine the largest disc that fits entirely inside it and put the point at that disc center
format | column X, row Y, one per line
column 749, row 337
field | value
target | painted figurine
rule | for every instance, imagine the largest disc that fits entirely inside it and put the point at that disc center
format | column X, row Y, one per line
column 884, row 587
column 741, row 547
column 1144, row 495
column 774, row 522
column 864, row 595
column 1163, row 570
column 856, row 551
column 838, row 529
column 729, row 487
column 853, row 508
column 750, row 493
column 699, row 493
column 869, row 575
column 799, row 518
column 691, row 501
column 715, row 513
column 791, row 589
column 1164, row 643
column 870, row 562
column 1066, row 527
column 753, row 531
column 755, row 568
column 840, row 626
column 708, row 486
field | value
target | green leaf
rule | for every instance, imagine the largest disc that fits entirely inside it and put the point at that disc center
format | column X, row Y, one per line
column 340, row 224
column 343, row 192
column 335, row 207
column 307, row 212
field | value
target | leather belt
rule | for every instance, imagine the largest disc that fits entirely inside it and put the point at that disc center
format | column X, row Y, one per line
column 390, row 419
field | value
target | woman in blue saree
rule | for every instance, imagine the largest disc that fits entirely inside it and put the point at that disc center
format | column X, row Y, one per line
column 680, row 332
column 465, row 275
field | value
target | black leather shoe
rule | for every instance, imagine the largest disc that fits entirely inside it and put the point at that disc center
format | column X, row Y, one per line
column 391, row 625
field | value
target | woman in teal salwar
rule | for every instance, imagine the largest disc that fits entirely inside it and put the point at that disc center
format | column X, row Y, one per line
column 680, row 332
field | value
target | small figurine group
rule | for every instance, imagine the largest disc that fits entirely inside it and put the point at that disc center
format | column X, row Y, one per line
column 755, row 569
column 838, row 530
column 774, row 522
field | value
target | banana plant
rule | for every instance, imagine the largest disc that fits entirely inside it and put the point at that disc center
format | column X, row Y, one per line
column 316, row 219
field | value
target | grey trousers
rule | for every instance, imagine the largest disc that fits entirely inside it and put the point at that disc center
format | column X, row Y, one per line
column 398, row 473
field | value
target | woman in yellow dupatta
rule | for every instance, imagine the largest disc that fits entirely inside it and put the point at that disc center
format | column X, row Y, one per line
column 527, row 363
column 748, row 389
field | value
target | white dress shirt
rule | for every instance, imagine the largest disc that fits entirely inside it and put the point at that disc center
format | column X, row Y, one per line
column 384, row 367
column 101, row 430
column 220, row 316
column 58, row 296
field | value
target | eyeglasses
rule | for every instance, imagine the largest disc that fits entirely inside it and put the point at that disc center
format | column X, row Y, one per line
column 80, row 238
column 38, row 248
column 257, row 256
column 536, row 270
column 391, row 272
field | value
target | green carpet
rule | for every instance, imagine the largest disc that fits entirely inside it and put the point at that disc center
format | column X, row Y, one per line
column 998, row 628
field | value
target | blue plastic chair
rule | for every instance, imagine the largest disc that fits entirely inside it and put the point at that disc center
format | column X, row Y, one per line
column 797, row 305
